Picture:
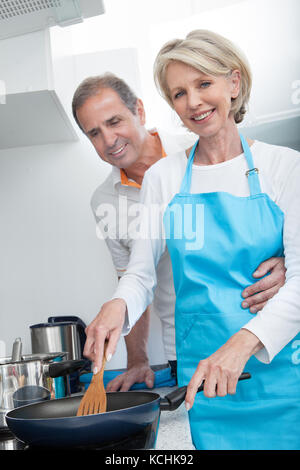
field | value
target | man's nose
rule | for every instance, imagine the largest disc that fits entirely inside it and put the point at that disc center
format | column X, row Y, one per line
column 109, row 138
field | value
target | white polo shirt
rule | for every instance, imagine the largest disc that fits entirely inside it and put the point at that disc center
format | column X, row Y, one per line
column 115, row 205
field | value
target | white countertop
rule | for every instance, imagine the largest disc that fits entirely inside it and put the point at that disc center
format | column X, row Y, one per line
column 174, row 429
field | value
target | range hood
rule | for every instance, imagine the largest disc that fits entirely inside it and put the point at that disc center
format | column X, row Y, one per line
column 19, row 17
column 36, row 75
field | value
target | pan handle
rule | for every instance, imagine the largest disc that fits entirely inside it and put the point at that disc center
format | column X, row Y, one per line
column 173, row 400
column 58, row 369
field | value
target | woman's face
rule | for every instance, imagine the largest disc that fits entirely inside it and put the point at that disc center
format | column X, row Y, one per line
column 203, row 102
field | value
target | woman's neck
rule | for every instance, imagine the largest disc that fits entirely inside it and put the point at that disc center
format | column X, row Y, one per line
column 218, row 148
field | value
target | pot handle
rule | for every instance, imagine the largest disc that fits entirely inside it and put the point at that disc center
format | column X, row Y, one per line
column 173, row 400
column 58, row 369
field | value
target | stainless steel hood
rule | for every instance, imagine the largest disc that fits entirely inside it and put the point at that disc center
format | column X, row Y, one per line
column 36, row 107
column 19, row 17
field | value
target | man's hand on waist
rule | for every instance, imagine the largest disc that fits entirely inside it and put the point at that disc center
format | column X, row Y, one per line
column 257, row 295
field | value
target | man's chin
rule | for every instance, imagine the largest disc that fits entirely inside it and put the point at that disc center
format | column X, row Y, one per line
column 118, row 163
column 115, row 161
column 124, row 162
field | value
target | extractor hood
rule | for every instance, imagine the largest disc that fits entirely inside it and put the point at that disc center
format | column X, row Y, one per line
column 19, row 17
column 36, row 106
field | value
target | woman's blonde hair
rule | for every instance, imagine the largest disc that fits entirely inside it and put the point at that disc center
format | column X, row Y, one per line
column 210, row 53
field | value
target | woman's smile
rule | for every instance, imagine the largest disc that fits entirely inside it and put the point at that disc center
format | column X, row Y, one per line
column 203, row 117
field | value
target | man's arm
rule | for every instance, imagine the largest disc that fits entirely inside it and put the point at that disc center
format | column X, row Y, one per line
column 138, row 369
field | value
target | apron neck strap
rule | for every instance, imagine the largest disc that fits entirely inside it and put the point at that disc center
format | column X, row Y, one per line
column 252, row 173
column 186, row 182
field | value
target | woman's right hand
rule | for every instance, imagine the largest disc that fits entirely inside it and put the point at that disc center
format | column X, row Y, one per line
column 222, row 369
column 108, row 326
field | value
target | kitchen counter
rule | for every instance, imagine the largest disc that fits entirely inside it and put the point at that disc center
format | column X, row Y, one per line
column 174, row 429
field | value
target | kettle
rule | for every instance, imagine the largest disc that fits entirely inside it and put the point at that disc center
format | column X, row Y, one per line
column 60, row 333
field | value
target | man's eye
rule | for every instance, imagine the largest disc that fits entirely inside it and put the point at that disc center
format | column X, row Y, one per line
column 113, row 123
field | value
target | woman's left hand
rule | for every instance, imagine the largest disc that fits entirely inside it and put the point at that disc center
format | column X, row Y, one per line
column 221, row 370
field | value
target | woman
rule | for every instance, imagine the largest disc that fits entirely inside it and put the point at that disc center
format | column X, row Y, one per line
column 232, row 204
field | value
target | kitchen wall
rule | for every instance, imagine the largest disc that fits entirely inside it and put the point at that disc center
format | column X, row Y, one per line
column 51, row 260
column 266, row 30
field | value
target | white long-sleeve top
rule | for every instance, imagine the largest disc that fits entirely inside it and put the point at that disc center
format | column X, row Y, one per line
column 279, row 173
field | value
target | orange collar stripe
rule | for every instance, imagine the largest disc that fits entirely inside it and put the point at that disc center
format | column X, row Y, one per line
column 125, row 181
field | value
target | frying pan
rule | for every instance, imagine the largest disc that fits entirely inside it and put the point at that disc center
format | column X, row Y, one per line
column 54, row 423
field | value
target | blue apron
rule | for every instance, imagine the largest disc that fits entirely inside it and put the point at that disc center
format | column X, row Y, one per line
column 216, row 241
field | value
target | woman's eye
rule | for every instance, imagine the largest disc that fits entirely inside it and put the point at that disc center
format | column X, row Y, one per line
column 205, row 84
column 114, row 123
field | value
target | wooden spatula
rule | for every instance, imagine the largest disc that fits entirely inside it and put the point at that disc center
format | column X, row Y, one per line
column 94, row 400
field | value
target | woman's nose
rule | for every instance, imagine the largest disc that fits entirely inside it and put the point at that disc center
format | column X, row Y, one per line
column 194, row 99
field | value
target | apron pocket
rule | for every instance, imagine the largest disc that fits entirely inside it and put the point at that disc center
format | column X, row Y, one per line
column 203, row 334
column 183, row 327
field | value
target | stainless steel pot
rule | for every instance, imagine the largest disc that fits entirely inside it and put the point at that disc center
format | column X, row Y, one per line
column 43, row 370
column 60, row 333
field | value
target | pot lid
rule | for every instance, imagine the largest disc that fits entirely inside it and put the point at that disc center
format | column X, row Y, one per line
column 47, row 325
column 33, row 357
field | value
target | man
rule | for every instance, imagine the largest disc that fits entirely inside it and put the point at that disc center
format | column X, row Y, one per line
column 113, row 118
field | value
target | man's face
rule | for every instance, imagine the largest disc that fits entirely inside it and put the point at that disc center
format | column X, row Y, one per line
column 115, row 132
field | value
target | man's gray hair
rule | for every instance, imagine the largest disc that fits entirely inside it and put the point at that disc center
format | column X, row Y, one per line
column 91, row 86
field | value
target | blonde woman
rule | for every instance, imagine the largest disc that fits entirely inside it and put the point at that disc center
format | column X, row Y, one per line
column 230, row 203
